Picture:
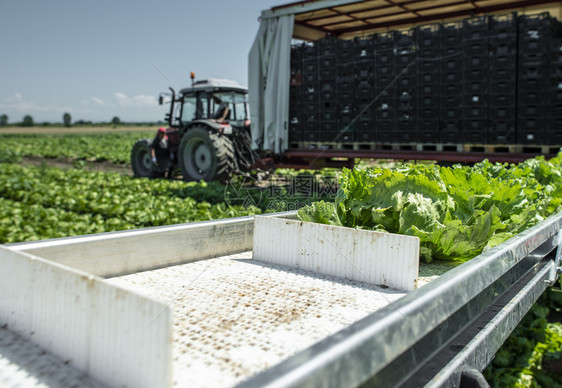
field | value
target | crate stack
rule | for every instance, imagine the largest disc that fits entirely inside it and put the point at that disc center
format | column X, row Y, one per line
column 475, row 79
column 406, row 93
column 502, row 79
column 451, row 76
column 364, row 80
column 532, row 62
column 427, row 88
column 327, row 88
column 346, row 91
column 554, row 86
column 296, row 95
column 385, row 90
column 310, row 101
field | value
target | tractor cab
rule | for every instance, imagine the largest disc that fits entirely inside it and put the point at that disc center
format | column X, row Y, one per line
column 209, row 123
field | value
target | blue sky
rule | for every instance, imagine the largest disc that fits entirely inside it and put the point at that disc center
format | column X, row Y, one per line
column 100, row 59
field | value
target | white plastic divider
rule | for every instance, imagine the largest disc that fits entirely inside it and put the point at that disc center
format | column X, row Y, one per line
column 114, row 335
column 379, row 258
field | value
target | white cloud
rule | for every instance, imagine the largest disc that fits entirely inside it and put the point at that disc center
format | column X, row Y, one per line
column 97, row 101
column 140, row 100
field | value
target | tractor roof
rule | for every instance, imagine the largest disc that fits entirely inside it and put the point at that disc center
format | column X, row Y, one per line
column 215, row 85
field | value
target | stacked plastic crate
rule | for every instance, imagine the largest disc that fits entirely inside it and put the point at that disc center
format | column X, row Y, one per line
column 475, row 79
column 327, row 86
column 427, row 88
column 451, row 73
column 385, row 89
column 296, row 95
column 406, row 93
column 310, row 100
column 502, row 79
column 532, row 76
column 363, row 82
column 346, row 123
column 554, row 86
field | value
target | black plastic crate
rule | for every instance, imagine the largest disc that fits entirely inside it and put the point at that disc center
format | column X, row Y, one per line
column 554, row 109
column 503, row 47
column 406, row 83
column 364, row 69
column 502, row 87
column 539, row 21
column 384, row 135
column 451, row 34
column 385, row 114
column 364, row 47
column 327, row 47
column 476, row 87
column 328, row 63
column 311, row 135
column 385, row 41
column 475, row 74
column 475, row 130
column 476, row 61
column 432, row 89
column 427, row 112
column 384, row 82
column 451, row 76
column 309, row 51
column 346, row 96
column 450, row 132
column 554, row 131
column 451, row 100
column 364, row 90
column 345, row 83
column 473, row 99
column 404, row 59
column 327, row 90
column 310, row 108
column 554, row 94
column 386, row 125
column 475, row 28
column 506, row 74
column 310, row 66
column 386, row 57
column 405, row 38
column 328, row 106
column 345, row 49
column 532, row 96
column 502, row 99
column 450, row 113
column 385, row 70
column 531, row 110
column 431, row 53
column 530, row 130
column 428, row 35
column 346, row 70
column 427, row 77
column 427, row 65
column 406, row 97
column 454, row 63
column 531, row 83
column 476, row 111
column 502, row 113
column 501, row 26
column 475, row 46
column 427, row 101
column 502, row 131
column 295, row 128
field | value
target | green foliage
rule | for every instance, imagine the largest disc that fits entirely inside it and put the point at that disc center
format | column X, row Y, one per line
column 456, row 212
column 522, row 360
column 3, row 120
column 39, row 203
column 67, row 120
column 27, row 121
column 113, row 147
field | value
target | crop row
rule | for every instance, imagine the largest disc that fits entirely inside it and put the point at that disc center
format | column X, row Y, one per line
column 46, row 202
column 113, row 147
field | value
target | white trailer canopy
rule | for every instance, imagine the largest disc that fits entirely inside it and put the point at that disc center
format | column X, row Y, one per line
column 269, row 59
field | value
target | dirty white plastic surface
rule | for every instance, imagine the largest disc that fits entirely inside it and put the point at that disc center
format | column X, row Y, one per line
column 121, row 338
column 379, row 258
column 235, row 317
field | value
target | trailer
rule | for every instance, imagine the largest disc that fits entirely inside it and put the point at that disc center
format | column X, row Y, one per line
column 331, row 81
column 227, row 303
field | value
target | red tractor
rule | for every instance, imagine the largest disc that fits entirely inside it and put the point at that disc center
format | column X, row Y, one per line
column 208, row 136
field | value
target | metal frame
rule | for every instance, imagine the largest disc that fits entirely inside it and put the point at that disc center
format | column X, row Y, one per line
column 406, row 343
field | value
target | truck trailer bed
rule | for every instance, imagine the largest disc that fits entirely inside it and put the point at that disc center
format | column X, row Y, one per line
column 234, row 317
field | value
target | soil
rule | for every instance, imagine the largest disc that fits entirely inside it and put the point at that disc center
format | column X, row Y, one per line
column 67, row 164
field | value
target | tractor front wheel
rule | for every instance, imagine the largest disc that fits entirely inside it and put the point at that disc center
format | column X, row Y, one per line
column 205, row 155
column 141, row 160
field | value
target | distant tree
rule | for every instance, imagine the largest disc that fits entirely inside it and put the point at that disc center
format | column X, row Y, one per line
column 66, row 119
column 27, row 121
column 3, row 120
column 115, row 120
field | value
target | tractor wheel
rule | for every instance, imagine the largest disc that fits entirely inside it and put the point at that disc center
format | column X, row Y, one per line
column 204, row 155
column 141, row 160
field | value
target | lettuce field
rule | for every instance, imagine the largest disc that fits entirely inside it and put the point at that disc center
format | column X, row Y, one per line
column 456, row 212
